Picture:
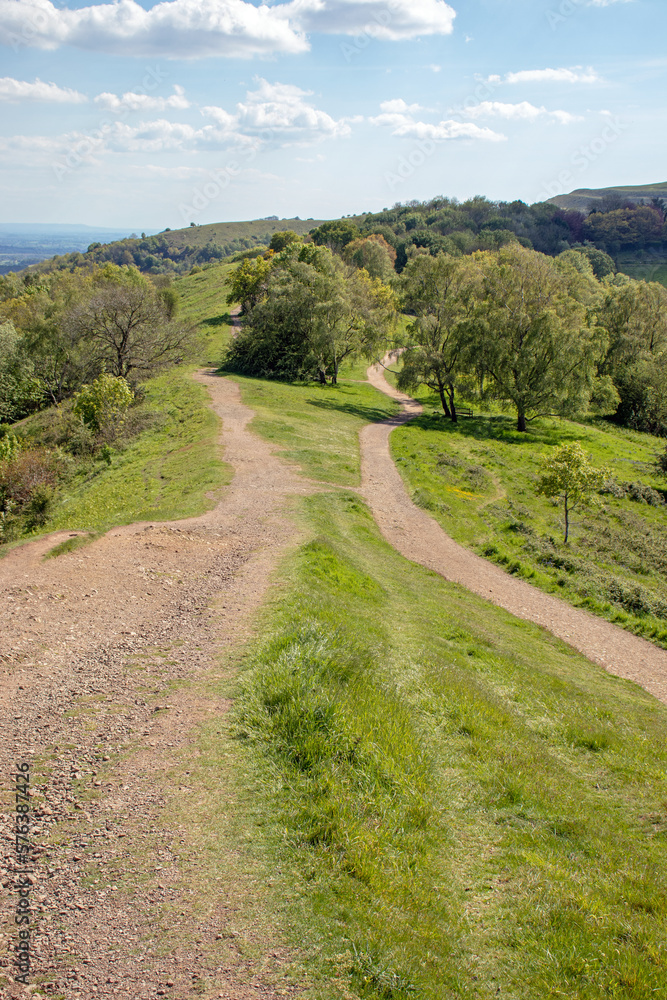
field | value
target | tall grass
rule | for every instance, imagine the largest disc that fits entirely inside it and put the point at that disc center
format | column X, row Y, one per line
column 473, row 808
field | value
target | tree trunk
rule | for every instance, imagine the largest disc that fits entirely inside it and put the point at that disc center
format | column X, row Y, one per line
column 321, row 376
column 521, row 422
column 567, row 521
column 452, row 407
column 334, row 377
column 443, row 400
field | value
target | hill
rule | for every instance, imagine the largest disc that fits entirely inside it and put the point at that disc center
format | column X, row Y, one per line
column 176, row 251
column 586, row 199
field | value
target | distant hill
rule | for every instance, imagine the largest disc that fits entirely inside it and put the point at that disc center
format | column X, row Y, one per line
column 585, row 199
column 176, row 251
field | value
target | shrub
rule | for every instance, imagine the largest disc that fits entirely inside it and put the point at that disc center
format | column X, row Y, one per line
column 102, row 405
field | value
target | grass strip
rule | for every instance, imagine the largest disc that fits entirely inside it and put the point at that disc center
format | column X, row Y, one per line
column 468, row 808
column 317, row 426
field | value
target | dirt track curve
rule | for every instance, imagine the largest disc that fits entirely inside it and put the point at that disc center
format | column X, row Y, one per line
column 101, row 650
column 420, row 538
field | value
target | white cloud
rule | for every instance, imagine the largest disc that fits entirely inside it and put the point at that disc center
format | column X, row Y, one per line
column 576, row 74
column 523, row 111
column 178, row 29
column 279, row 110
column 394, row 21
column 143, row 102
column 399, row 106
column 190, row 29
column 274, row 112
column 403, row 125
column 20, row 90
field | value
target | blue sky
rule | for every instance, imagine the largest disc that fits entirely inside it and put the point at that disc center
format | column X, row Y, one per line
column 157, row 114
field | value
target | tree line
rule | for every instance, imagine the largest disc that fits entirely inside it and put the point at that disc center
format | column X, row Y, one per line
column 61, row 331
column 543, row 335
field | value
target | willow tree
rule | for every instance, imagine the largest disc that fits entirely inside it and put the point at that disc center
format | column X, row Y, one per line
column 536, row 341
column 442, row 294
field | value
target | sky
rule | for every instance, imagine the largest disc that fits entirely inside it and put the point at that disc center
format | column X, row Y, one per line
column 153, row 115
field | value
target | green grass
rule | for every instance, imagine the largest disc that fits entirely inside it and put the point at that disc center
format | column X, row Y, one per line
column 164, row 473
column 456, row 804
column 317, row 426
column 70, row 545
column 478, row 479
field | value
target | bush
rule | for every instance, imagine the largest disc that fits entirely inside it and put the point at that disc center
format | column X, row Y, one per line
column 102, row 405
column 27, row 489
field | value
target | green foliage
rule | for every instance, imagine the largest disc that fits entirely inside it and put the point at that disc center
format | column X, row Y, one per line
column 247, row 282
column 21, row 390
column 9, row 445
column 625, row 228
column 102, row 404
column 534, row 339
column 308, row 312
column 567, row 476
column 441, row 293
column 282, row 239
column 374, row 254
column 335, row 235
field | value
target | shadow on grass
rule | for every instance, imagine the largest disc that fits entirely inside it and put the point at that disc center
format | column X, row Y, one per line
column 225, row 319
column 371, row 414
column 498, row 427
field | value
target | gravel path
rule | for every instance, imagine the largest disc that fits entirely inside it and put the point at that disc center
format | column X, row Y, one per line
column 104, row 656
column 420, row 538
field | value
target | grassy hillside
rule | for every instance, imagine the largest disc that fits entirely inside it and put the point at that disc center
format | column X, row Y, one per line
column 452, row 803
column 169, row 463
column 478, row 479
column 222, row 233
column 177, row 251
column 585, row 199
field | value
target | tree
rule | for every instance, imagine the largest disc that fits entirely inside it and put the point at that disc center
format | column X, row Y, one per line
column 634, row 314
column 102, row 404
column 353, row 315
column 567, row 476
column 282, row 239
column 21, row 390
column 314, row 312
column 441, row 293
column 127, row 322
column 248, row 282
column 374, row 254
column 535, row 341
column 335, row 235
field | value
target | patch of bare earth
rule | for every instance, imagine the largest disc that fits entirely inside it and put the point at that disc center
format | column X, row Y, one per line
column 101, row 654
column 420, row 538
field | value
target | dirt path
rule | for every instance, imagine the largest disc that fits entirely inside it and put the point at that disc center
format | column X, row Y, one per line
column 420, row 538
column 101, row 654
